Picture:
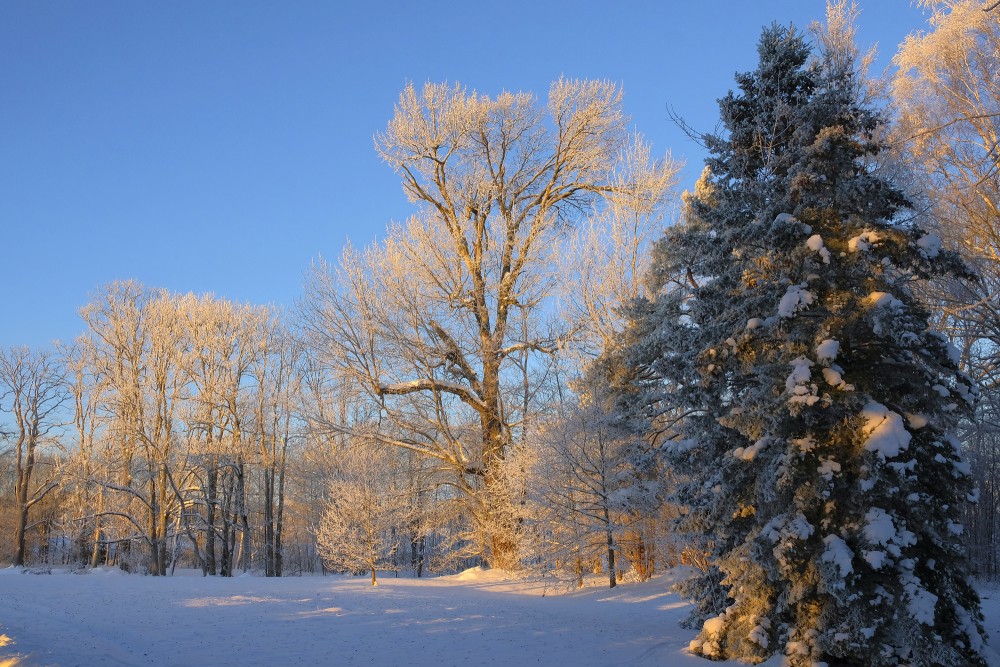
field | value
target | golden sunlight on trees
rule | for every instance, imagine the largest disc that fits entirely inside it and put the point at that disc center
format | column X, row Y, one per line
column 436, row 325
column 948, row 99
column 363, row 525
column 32, row 390
column 554, row 367
column 181, row 421
column 604, row 260
column 949, row 104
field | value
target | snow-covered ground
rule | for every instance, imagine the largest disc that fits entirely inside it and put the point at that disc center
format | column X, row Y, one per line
column 483, row 618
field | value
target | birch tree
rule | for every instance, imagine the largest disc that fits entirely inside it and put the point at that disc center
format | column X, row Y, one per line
column 426, row 322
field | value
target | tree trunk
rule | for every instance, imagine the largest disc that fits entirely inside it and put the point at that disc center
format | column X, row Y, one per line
column 241, row 507
column 211, row 496
column 269, row 522
column 500, row 525
column 163, row 522
column 417, row 555
column 19, row 531
column 279, row 519
column 612, row 580
column 25, row 444
column 154, row 536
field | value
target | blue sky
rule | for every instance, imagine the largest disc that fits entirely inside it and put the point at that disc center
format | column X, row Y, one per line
column 221, row 146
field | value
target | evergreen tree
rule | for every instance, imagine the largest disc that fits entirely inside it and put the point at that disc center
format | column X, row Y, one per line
column 817, row 411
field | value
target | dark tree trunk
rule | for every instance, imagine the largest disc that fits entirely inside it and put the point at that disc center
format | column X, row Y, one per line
column 19, row 531
column 269, row 570
column 280, row 515
column 612, row 579
column 211, row 497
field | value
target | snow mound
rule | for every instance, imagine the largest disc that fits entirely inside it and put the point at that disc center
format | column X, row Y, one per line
column 879, row 528
column 815, row 243
column 862, row 242
column 481, row 574
column 884, row 429
column 798, row 385
column 795, row 299
column 827, row 350
column 930, row 245
column 838, row 553
column 921, row 603
column 883, row 300
column 751, row 452
column 835, row 378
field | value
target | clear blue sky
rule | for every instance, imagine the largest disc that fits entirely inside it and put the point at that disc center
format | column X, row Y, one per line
column 221, row 146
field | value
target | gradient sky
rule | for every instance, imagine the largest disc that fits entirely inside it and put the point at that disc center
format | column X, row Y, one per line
column 221, row 146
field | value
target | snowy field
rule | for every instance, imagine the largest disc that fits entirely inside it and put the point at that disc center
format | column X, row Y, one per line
column 109, row 618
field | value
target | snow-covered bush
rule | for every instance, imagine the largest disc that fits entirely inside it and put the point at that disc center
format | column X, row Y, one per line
column 362, row 527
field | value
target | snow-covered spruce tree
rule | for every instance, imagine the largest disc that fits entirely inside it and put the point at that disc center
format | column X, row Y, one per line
column 817, row 441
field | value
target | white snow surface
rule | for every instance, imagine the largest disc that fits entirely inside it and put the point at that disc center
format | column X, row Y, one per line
column 883, row 300
column 478, row 617
column 750, row 453
column 797, row 383
column 815, row 243
column 862, row 242
column 875, row 558
column 879, row 528
column 834, row 378
column 921, row 601
column 828, row 468
column 482, row 617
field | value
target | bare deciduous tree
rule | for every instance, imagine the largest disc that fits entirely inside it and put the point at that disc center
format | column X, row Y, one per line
column 603, row 261
column 363, row 523
column 32, row 390
column 136, row 333
column 430, row 322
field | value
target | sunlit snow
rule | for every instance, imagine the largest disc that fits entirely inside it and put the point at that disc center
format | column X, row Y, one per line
column 884, row 429
column 481, row 617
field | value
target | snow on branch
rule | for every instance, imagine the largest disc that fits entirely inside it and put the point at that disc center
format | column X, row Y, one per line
column 426, row 384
